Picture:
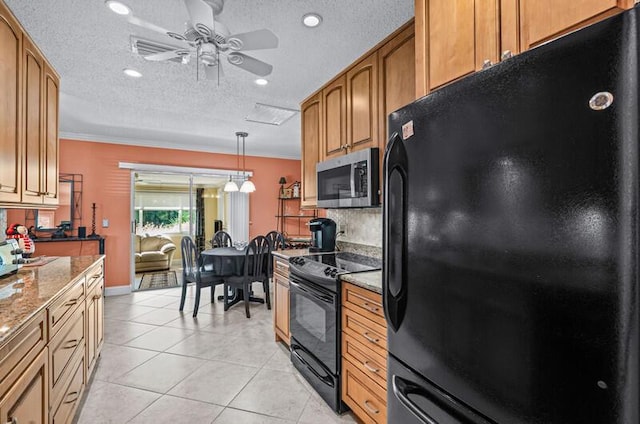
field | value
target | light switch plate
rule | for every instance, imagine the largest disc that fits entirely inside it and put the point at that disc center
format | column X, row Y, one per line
column 105, row 222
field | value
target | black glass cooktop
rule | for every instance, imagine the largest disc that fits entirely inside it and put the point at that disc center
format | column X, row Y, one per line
column 345, row 261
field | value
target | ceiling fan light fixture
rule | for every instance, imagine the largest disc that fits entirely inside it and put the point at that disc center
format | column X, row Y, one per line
column 261, row 81
column 117, row 7
column 132, row 73
column 311, row 20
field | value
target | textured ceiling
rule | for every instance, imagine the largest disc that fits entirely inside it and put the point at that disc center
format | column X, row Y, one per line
column 89, row 46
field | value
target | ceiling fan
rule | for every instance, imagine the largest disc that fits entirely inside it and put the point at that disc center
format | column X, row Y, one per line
column 206, row 39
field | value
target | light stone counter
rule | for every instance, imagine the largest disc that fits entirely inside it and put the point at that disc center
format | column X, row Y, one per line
column 26, row 293
column 370, row 280
column 290, row 253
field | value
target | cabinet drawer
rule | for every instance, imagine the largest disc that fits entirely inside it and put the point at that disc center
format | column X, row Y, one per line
column 365, row 359
column 366, row 398
column 281, row 266
column 68, row 341
column 363, row 301
column 26, row 344
column 71, row 395
column 94, row 275
column 62, row 308
column 365, row 331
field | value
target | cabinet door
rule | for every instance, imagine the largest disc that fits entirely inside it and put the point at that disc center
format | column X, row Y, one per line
column 334, row 118
column 10, row 107
column 281, row 287
column 454, row 38
column 397, row 81
column 95, row 328
column 50, row 145
column 311, row 137
column 27, row 400
column 541, row 20
column 362, row 104
column 33, row 116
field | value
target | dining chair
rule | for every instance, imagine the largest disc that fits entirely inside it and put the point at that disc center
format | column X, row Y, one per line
column 276, row 239
column 194, row 272
column 221, row 239
column 256, row 269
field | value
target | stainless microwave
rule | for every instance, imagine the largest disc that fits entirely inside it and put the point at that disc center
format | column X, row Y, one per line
column 349, row 181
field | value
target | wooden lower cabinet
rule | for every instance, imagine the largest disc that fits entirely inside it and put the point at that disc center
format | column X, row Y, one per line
column 281, row 299
column 27, row 399
column 44, row 367
column 364, row 354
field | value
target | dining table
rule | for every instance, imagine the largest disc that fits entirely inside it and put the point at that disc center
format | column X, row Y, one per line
column 228, row 262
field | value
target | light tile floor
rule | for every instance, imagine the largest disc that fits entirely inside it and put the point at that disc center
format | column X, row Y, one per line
column 159, row 365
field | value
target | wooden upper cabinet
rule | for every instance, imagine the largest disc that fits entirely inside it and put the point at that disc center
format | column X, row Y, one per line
column 541, row 20
column 454, row 38
column 311, row 138
column 10, row 107
column 362, row 104
column 50, row 144
column 334, row 118
column 397, row 78
column 33, row 118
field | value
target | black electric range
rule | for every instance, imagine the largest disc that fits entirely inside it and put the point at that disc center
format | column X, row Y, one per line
column 325, row 269
column 314, row 317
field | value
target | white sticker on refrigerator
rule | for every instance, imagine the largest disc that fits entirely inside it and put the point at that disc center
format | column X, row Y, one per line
column 407, row 130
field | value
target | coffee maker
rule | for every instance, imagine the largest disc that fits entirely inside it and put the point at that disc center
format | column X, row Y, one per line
column 323, row 235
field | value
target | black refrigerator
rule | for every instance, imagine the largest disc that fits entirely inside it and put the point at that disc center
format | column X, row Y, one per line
column 510, row 242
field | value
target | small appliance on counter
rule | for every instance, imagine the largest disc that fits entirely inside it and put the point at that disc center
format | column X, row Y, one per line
column 10, row 257
column 323, row 235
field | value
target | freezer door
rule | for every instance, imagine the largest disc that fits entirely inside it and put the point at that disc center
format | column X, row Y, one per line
column 510, row 239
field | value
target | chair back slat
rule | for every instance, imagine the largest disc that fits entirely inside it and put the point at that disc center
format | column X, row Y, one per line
column 190, row 259
column 276, row 239
column 257, row 257
column 221, row 239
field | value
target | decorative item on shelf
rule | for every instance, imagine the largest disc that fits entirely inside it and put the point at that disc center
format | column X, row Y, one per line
column 247, row 185
column 286, row 193
column 295, row 189
column 20, row 233
column 282, row 182
column 93, row 221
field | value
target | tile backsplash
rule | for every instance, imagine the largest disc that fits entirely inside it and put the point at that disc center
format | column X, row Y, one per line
column 363, row 226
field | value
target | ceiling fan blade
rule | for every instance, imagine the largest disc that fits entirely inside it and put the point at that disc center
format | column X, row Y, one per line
column 153, row 27
column 201, row 16
column 254, row 40
column 172, row 54
column 250, row 64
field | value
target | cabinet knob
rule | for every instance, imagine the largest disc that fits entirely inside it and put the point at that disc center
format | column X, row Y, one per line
column 486, row 64
column 506, row 55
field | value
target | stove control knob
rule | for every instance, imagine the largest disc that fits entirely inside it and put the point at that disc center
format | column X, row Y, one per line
column 333, row 273
column 301, row 261
column 327, row 271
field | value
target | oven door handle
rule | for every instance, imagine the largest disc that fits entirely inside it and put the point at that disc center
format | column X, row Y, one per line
column 325, row 378
column 321, row 297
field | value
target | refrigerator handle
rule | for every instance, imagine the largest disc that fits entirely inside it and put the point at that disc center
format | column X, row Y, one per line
column 394, row 235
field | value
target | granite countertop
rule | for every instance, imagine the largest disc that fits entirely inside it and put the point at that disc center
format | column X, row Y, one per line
column 24, row 294
column 370, row 280
column 290, row 253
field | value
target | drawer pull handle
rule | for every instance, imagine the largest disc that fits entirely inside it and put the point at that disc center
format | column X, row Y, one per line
column 14, row 420
column 71, row 344
column 74, row 397
column 370, row 408
column 95, row 277
column 369, row 367
column 71, row 302
column 97, row 296
column 371, row 339
column 368, row 307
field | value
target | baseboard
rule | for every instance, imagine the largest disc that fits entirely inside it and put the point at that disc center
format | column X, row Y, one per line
column 117, row 290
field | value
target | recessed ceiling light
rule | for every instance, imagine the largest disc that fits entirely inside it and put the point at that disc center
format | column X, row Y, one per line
column 118, row 7
column 261, row 81
column 132, row 73
column 311, row 20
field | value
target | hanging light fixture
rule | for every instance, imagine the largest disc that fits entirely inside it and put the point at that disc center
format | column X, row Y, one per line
column 231, row 185
column 247, row 185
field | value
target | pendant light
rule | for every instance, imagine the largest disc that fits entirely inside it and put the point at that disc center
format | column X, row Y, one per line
column 247, row 185
column 231, row 185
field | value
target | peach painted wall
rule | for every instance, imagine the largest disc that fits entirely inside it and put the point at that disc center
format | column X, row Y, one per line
column 110, row 188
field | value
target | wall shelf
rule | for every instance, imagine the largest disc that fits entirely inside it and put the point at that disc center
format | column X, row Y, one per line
column 300, row 219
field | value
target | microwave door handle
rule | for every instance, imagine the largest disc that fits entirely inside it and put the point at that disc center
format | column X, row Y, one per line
column 394, row 235
column 352, row 180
